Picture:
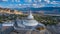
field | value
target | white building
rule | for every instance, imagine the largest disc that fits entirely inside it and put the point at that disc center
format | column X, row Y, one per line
column 29, row 25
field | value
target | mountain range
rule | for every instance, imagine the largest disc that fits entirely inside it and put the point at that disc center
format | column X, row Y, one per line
column 47, row 10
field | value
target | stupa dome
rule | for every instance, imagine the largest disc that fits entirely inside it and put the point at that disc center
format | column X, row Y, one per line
column 30, row 16
column 30, row 20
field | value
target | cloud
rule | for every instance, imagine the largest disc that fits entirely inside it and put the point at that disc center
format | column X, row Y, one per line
column 27, row 0
column 48, row 1
column 34, row 4
column 38, row 5
column 19, row 4
column 4, row 0
column 41, row 5
column 54, row 2
column 39, row 0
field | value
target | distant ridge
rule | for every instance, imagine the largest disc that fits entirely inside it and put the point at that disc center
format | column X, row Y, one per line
column 46, row 10
column 37, row 9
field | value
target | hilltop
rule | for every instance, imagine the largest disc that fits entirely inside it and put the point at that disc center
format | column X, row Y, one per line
column 9, row 11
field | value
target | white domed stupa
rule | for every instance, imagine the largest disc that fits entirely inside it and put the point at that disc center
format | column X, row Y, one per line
column 28, row 25
column 30, row 20
column 30, row 16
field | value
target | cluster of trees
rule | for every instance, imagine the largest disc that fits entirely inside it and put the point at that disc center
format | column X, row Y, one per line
column 4, row 18
column 47, row 20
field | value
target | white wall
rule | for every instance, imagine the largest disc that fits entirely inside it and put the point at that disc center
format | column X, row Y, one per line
column 7, row 24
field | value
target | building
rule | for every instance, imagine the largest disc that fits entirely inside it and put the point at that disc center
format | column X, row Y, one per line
column 29, row 26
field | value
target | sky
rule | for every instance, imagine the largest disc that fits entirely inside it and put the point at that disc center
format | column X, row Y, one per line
column 29, row 3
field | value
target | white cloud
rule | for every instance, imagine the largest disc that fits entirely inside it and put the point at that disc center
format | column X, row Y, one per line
column 25, row 5
column 4, row 0
column 54, row 2
column 39, row 0
column 34, row 4
column 19, row 4
column 38, row 5
column 35, row 1
column 28, row 0
column 42, row 5
column 48, row 1
column 17, row 0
